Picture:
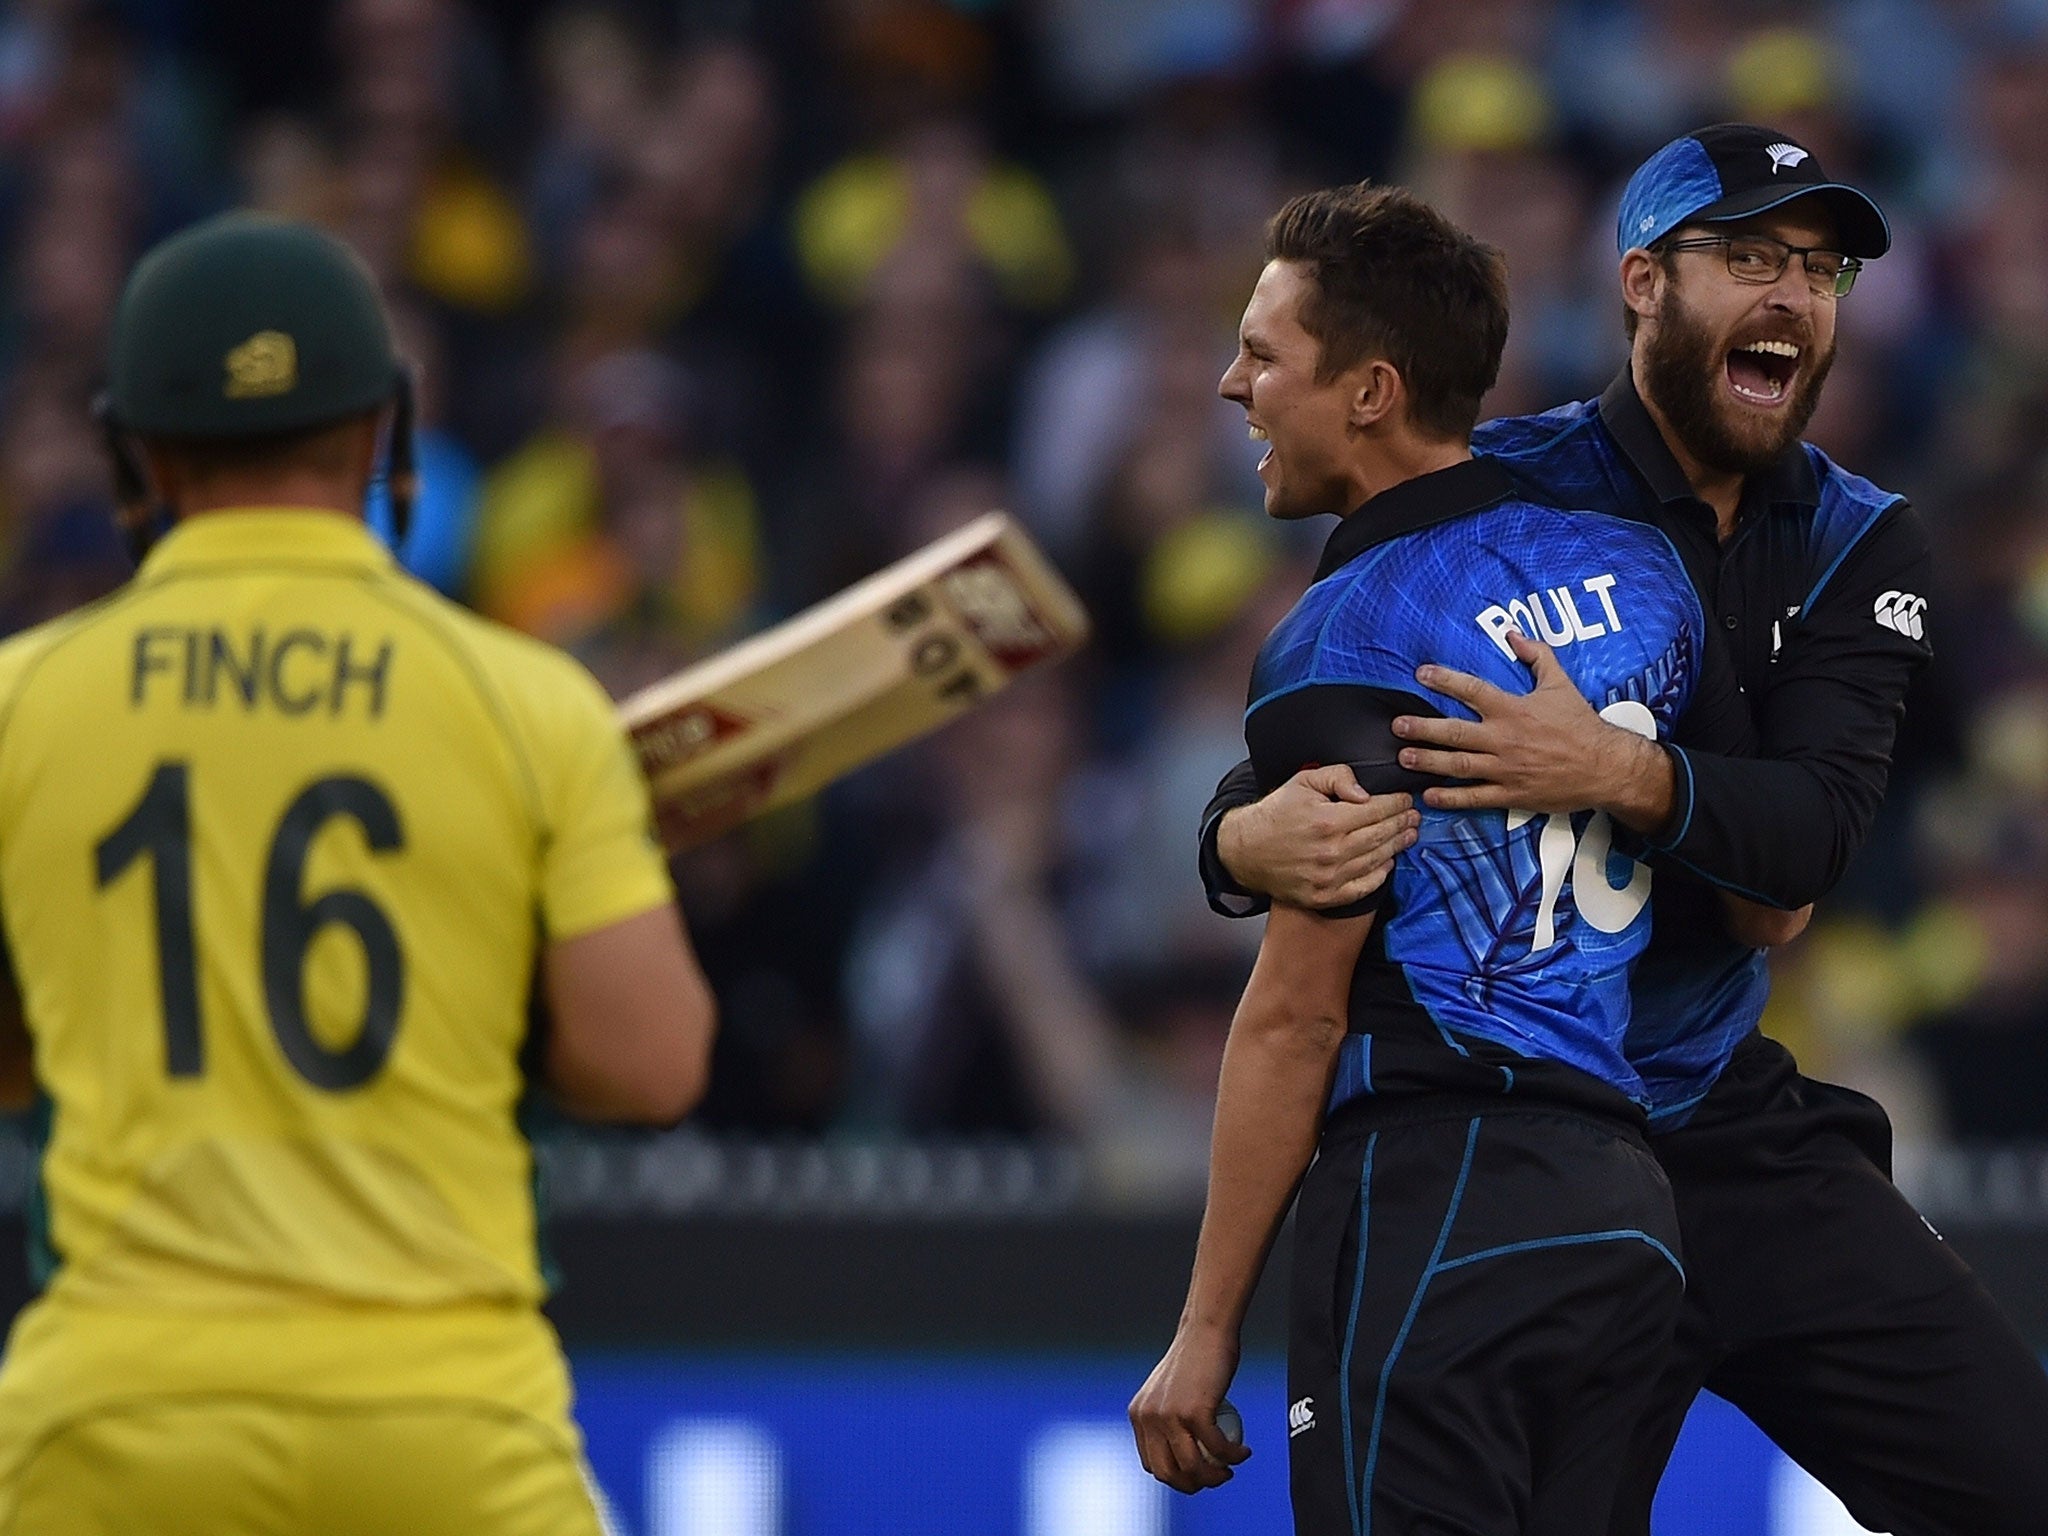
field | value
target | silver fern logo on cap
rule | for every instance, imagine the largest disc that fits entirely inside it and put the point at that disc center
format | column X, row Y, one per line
column 1783, row 155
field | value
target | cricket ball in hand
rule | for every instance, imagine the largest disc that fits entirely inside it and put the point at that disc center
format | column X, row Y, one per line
column 1230, row 1422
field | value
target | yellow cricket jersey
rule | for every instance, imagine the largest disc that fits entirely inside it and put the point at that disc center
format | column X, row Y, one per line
column 280, row 833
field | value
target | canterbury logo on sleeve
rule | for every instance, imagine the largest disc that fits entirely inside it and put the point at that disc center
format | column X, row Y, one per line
column 1902, row 612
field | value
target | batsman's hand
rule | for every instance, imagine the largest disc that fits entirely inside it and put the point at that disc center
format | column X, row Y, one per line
column 1541, row 751
column 1174, row 1413
column 1319, row 840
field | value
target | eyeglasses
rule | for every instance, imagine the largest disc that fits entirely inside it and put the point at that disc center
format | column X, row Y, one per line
column 1761, row 259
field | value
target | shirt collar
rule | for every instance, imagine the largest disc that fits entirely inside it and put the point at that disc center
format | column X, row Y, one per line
column 1790, row 479
column 1436, row 497
column 266, row 536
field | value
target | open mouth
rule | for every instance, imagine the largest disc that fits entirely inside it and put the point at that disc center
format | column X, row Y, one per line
column 1761, row 372
column 1258, row 435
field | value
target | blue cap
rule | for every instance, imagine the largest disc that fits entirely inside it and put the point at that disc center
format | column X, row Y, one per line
column 1734, row 170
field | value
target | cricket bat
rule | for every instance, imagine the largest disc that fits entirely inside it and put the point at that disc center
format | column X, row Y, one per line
column 779, row 716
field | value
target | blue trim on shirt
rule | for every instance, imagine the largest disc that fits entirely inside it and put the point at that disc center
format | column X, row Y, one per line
column 1691, row 798
column 1836, row 564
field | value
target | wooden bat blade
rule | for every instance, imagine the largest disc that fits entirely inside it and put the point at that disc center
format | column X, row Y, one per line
column 779, row 716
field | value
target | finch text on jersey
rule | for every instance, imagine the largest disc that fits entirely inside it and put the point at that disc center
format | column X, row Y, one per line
column 1551, row 616
column 294, row 671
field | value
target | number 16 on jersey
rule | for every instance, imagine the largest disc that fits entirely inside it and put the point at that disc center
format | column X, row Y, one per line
column 159, row 828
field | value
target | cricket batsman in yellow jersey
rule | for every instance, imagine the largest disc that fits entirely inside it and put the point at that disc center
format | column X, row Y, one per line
column 286, row 844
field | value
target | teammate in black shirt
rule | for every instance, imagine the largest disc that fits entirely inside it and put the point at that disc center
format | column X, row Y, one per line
column 1818, row 1301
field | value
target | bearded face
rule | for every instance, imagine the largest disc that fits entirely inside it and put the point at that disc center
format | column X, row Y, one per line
column 1733, row 364
column 1735, row 395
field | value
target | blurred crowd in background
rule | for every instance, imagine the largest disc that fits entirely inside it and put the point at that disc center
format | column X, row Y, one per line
column 720, row 305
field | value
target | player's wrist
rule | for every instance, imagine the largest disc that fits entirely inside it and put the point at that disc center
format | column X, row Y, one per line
column 1206, row 1339
column 1217, row 1301
column 1642, row 790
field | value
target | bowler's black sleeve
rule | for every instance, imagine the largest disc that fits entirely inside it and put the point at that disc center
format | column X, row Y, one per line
column 1350, row 723
column 1238, row 787
column 1781, row 827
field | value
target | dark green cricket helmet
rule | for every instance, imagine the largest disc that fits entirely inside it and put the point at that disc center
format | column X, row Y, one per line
column 247, row 325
